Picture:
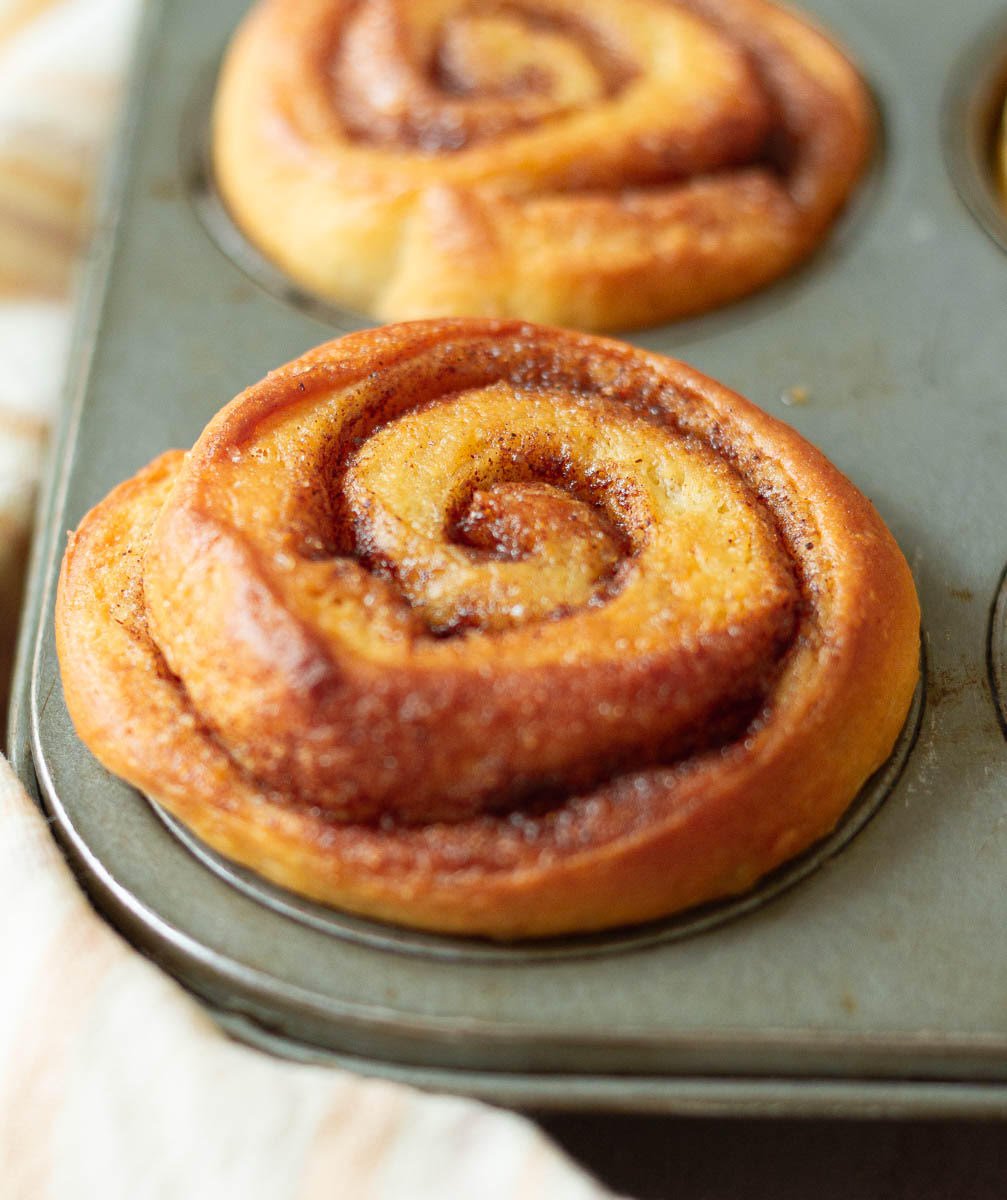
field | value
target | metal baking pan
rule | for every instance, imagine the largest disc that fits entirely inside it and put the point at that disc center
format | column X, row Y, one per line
column 871, row 977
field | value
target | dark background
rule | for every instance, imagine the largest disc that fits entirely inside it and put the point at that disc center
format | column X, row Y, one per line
column 666, row 1158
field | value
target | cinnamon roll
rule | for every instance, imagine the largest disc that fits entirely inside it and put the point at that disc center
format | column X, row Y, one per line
column 483, row 627
column 599, row 164
column 1001, row 156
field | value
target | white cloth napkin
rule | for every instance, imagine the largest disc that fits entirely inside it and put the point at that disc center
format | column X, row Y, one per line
column 113, row 1081
column 115, row 1084
column 60, row 63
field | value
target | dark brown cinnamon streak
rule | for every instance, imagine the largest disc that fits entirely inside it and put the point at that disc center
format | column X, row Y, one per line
column 594, row 163
column 487, row 627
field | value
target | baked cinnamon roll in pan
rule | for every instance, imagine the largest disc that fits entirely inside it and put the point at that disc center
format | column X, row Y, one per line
column 1001, row 157
column 490, row 628
column 600, row 164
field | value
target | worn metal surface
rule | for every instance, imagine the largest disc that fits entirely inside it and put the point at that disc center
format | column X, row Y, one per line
column 879, row 983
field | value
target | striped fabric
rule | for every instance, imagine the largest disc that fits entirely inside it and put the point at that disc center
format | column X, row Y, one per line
column 113, row 1083
column 59, row 68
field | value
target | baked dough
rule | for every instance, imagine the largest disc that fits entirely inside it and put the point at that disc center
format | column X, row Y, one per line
column 482, row 627
column 1002, row 156
column 599, row 164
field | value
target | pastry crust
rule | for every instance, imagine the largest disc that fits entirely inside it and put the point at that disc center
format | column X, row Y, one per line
column 599, row 164
column 697, row 698
column 1002, row 156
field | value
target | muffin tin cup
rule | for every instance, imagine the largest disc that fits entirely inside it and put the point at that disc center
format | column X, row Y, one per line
column 998, row 651
column 868, row 976
column 973, row 115
column 451, row 949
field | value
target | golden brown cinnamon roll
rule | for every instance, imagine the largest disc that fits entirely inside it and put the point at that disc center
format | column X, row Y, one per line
column 596, row 163
column 1002, row 156
column 478, row 626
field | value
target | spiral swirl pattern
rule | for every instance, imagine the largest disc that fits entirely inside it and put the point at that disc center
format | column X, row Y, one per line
column 601, row 163
column 478, row 599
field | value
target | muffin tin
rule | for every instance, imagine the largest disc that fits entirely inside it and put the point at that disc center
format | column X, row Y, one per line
column 877, row 984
